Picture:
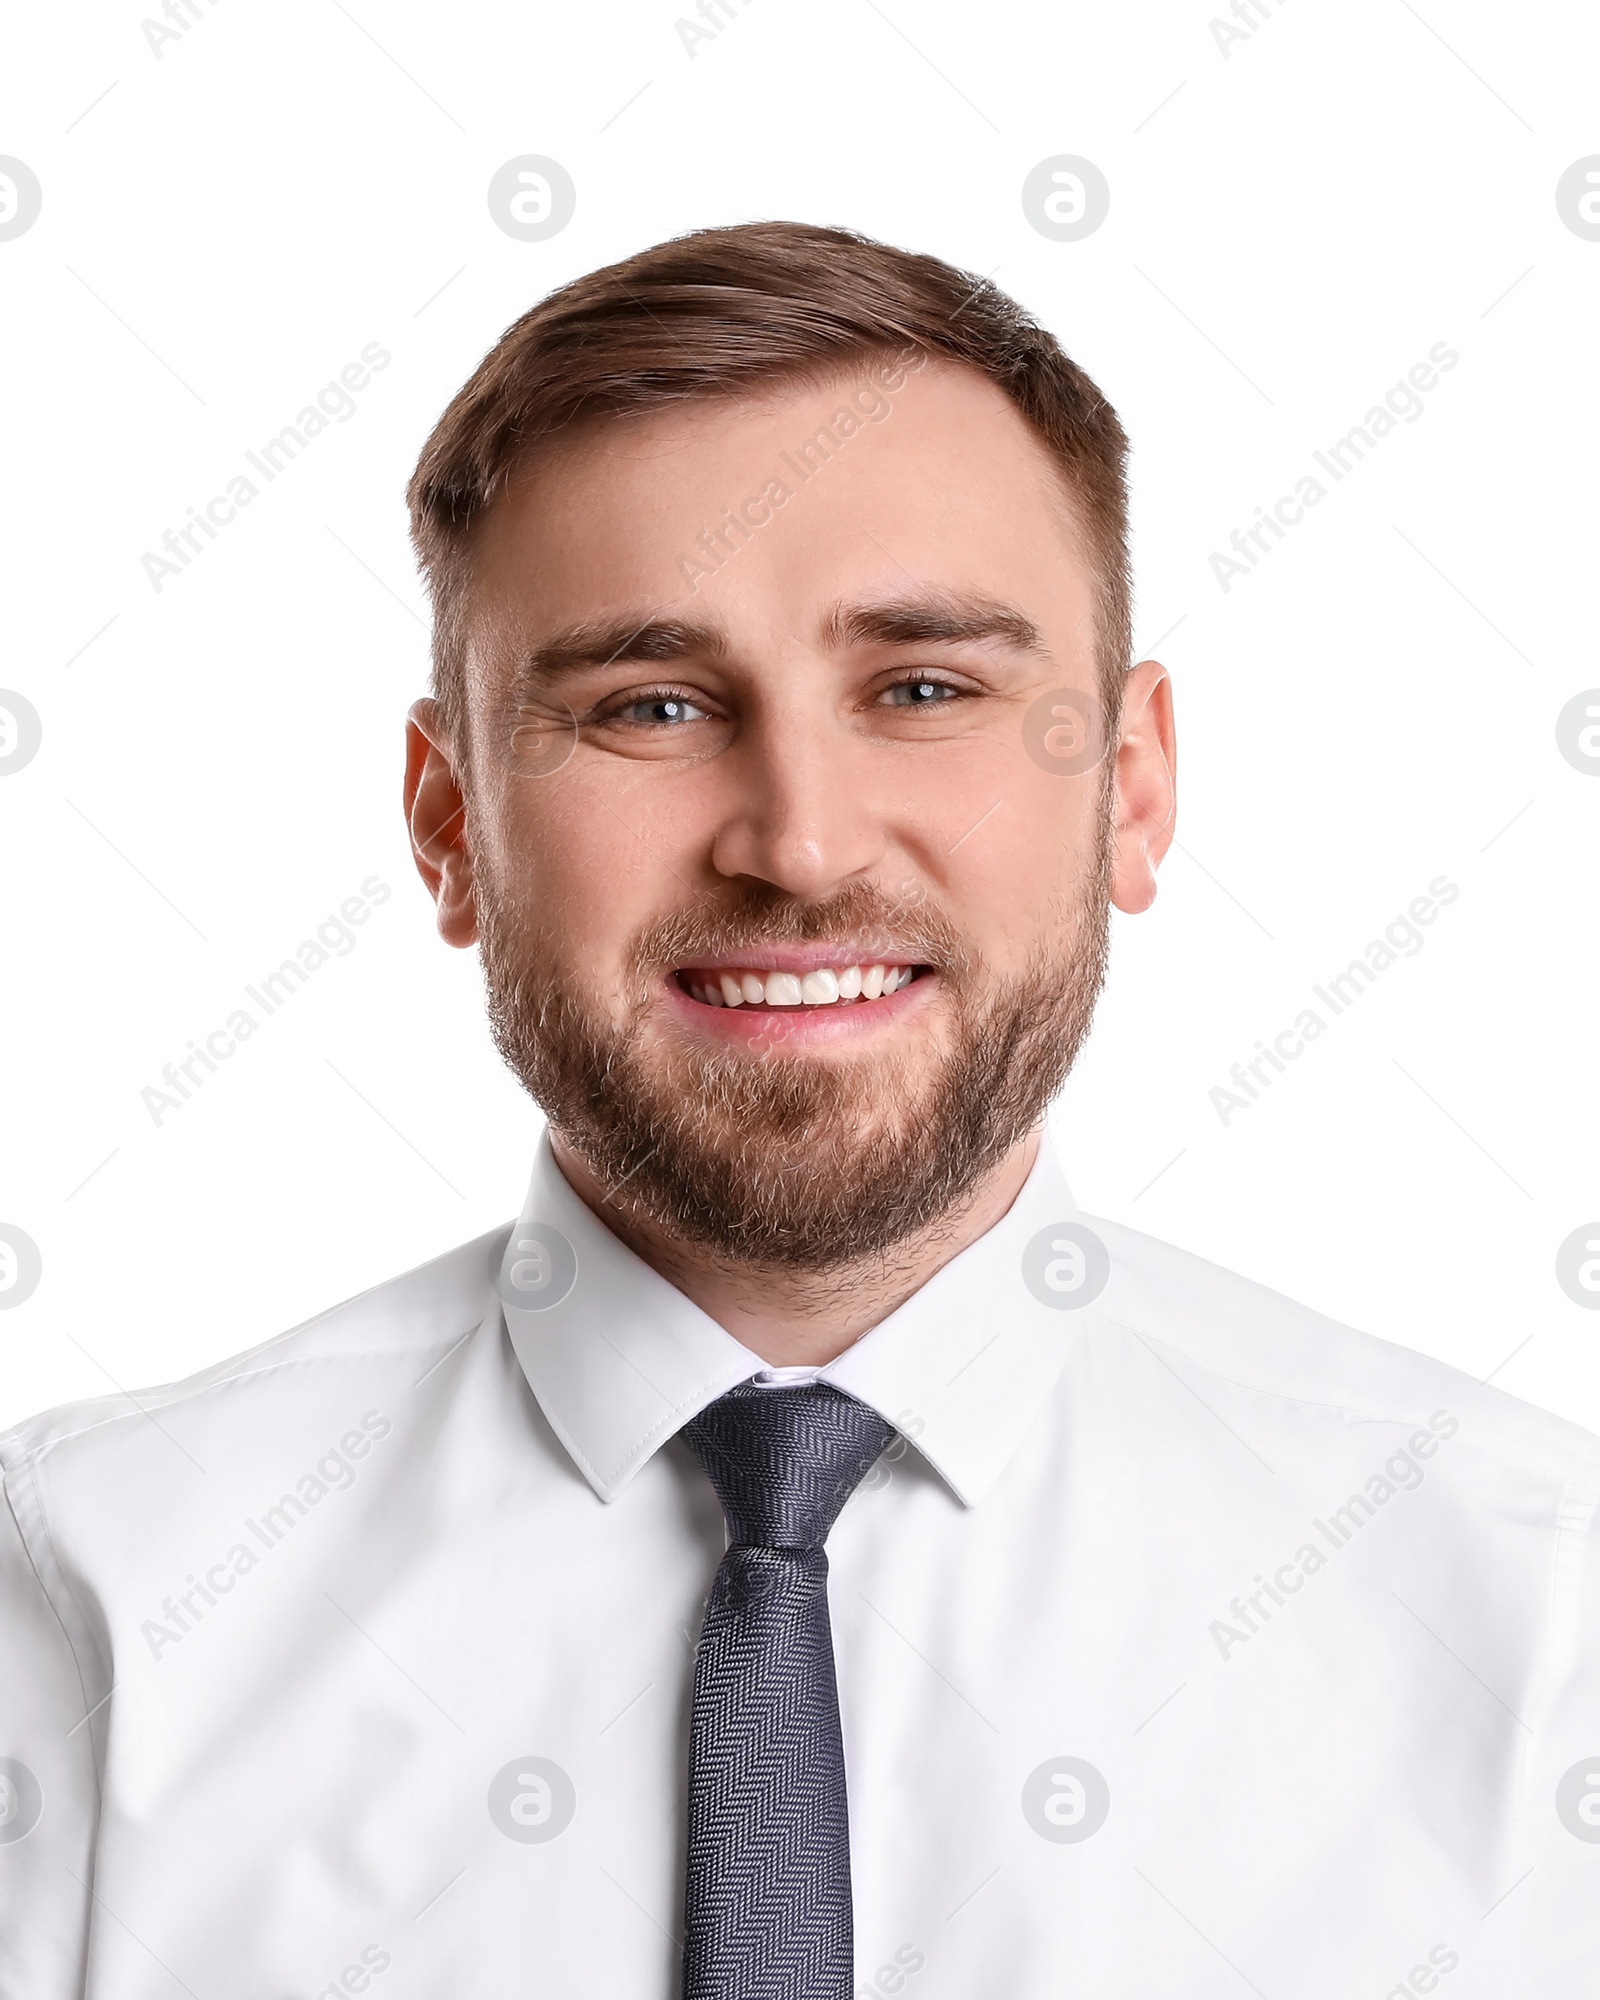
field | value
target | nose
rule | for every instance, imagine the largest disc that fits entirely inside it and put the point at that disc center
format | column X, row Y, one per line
column 801, row 812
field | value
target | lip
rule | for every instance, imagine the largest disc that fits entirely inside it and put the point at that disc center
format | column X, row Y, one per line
column 797, row 1028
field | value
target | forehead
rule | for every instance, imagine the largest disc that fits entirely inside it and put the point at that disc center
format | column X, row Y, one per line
column 775, row 507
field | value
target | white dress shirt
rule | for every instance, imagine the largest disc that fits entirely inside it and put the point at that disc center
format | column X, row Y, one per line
column 1188, row 1645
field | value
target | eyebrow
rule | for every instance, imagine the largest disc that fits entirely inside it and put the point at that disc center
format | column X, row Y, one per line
column 931, row 617
column 598, row 642
column 925, row 618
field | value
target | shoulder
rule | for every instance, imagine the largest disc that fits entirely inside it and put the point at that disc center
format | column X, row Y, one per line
column 1252, row 1340
column 401, row 1325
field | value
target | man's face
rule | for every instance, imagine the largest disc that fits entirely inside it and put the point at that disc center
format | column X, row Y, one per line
column 790, row 879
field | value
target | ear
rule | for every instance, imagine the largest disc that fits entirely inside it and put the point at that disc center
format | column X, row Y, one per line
column 436, row 816
column 1146, row 786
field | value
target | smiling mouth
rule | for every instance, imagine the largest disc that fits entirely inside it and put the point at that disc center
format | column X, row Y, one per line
column 822, row 986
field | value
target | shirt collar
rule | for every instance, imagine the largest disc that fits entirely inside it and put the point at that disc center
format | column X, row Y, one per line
column 620, row 1360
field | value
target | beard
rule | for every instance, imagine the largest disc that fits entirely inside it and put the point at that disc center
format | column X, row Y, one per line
column 797, row 1162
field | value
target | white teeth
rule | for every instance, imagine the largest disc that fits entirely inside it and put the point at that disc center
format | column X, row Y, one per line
column 823, row 986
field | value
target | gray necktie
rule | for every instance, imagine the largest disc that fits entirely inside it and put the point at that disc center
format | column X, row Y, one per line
column 767, row 1911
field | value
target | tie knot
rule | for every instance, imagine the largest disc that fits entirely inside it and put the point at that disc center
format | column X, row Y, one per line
column 784, row 1461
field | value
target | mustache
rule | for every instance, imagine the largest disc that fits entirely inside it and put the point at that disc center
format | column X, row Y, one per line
column 868, row 923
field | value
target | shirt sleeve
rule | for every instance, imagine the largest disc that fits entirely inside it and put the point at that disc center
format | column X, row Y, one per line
column 49, row 1789
column 1558, row 1928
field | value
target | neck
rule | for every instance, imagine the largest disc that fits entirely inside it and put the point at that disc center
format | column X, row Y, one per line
column 803, row 1318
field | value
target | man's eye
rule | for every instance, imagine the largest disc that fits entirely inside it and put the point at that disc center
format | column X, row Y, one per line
column 660, row 711
column 919, row 693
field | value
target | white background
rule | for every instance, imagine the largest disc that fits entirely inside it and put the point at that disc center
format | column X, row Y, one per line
column 1293, row 224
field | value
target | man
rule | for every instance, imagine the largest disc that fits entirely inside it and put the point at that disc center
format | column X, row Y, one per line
column 803, row 1555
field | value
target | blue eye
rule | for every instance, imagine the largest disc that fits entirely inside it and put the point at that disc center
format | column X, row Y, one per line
column 919, row 694
column 662, row 710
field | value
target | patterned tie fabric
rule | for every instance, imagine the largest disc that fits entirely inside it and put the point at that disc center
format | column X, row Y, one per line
column 767, row 1910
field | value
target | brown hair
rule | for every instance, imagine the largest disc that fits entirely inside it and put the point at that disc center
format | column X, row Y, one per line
column 724, row 310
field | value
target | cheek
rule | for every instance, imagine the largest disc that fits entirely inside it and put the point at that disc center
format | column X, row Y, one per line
column 584, row 865
column 1008, row 904
column 1025, row 872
